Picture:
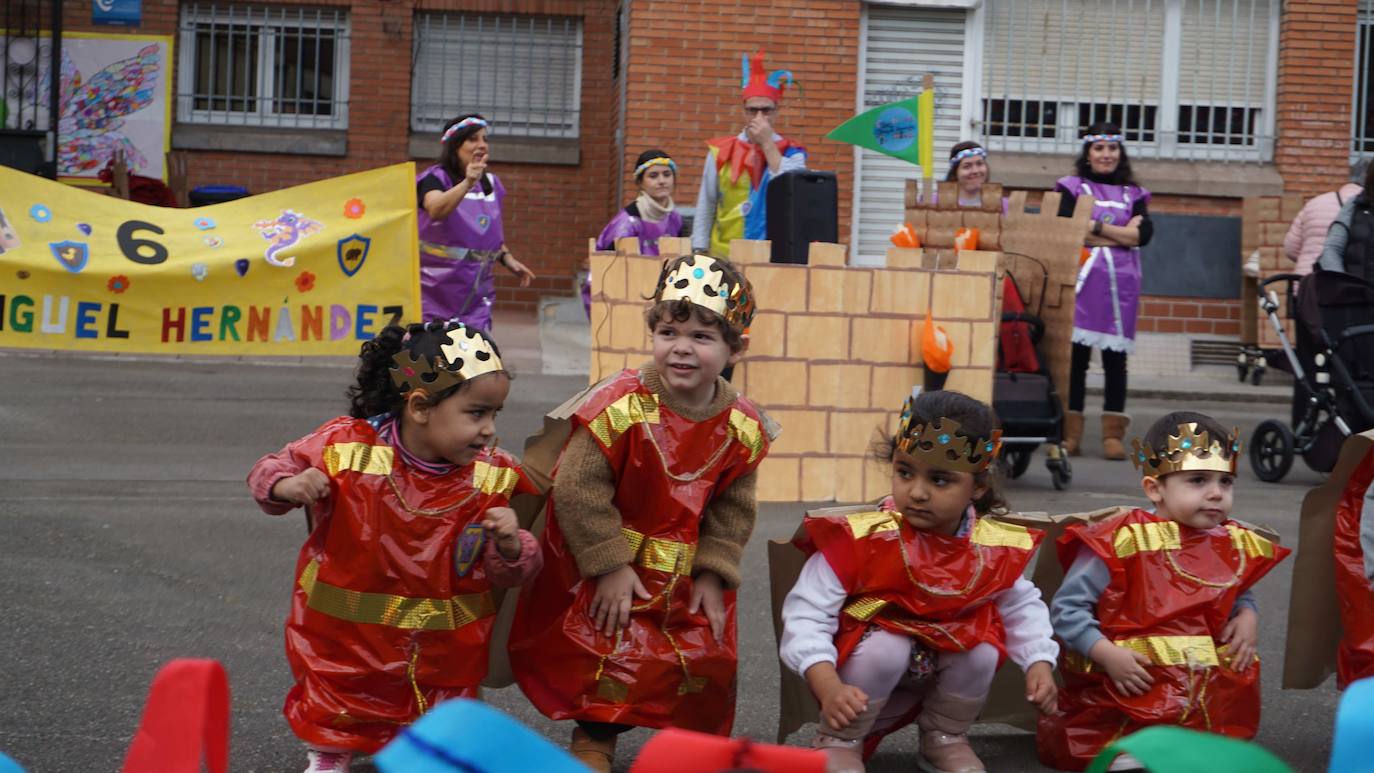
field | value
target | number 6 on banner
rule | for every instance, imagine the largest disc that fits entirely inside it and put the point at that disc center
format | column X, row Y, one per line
column 134, row 249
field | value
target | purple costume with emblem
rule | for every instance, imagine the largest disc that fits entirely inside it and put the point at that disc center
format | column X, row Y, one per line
column 458, row 254
column 1108, row 289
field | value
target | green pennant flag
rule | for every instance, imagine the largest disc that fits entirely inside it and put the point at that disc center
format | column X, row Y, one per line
column 902, row 130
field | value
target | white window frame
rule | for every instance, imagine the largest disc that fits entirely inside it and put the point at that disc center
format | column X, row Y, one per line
column 268, row 19
column 1364, row 18
column 1165, row 145
column 505, row 119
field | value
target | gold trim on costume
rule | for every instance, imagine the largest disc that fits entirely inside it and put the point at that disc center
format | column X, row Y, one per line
column 619, row 416
column 747, row 431
column 493, row 479
column 1253, row 544
column 864, row 608
column 867, row 524
column 611, row 689
column 996, row 534
column 393, row 611
column 1143, row 537
column 364, row 458
column 663, row 555
column 1187, row 651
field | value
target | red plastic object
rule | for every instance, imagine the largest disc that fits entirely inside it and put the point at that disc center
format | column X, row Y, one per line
column 185, row 721
column 682, row 751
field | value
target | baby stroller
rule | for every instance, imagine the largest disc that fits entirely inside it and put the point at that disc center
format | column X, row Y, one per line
column 1023, row 393
column 1333, row 370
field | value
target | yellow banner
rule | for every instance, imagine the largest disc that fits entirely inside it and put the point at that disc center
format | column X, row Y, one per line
column 314, row 269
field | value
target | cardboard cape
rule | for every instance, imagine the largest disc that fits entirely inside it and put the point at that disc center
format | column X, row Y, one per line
column 1314, row 611
column 1006, row 700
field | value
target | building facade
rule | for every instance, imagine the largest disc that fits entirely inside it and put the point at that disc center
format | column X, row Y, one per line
column 1219, row 99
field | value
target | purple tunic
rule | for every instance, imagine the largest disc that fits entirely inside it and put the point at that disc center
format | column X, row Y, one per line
column 458, row 254
column 1108, row 289
column 625, row 224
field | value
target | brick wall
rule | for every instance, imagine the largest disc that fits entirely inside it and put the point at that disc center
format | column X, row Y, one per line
column 684, row 80
column 550, row 210
column 1316, row 61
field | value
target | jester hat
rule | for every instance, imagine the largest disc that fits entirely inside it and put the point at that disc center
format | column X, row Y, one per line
column 757, row 82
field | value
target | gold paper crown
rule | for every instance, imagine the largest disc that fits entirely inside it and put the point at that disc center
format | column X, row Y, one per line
column 711, row 284
column 940, row 444
column 467, row 355
column 1188, row 450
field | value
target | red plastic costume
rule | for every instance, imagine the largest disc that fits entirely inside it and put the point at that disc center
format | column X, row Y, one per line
column 1171, row 593
column 935, row 588
column 1355, row 657
column 665, row 669
column 391, row 612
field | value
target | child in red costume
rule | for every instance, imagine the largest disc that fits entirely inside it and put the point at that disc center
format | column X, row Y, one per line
column 906, row 612
column 1155, row 610
column 392, row 610
column 1353, row 540
column 632, row 621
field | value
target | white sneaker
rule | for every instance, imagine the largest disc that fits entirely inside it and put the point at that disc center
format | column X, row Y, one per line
column 328, row 762
column 1126, row 762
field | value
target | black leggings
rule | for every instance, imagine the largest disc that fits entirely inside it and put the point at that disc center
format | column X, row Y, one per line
column 602, row 731
column 1113, row 365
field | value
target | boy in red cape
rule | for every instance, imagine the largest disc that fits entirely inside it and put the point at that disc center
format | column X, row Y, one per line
column 632, row 621
column 1156, row 609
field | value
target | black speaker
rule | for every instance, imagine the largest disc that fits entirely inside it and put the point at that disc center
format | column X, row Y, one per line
column 803, row 207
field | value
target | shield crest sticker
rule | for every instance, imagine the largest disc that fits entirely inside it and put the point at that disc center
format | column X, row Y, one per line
column 469, row 549
column 483, row 223
column 352, row 252
column 72, row 255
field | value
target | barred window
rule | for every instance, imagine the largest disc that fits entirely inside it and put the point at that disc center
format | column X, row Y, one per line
column 1362, row 123
column 523, row 73
column 1183, row 78
column 272, row 66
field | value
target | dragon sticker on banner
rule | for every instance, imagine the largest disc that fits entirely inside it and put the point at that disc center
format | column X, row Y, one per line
column 284, row 233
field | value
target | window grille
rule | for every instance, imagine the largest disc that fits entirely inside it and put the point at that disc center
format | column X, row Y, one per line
column 1362, row 114
column 1190, row 79
column 272, row 66
column 523, row 73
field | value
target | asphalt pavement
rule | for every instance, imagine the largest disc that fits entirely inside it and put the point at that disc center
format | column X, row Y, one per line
column 127, row 538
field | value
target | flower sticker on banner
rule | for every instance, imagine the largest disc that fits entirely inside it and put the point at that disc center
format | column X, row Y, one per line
column 199, row 271
column 205, row 223
column 305, row 282
column 40, row 213
column 117, row 284
column 354, row 209
column 212, row 241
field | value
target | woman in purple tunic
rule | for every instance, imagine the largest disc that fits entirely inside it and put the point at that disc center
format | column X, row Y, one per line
column 650, row 216
column 461, row 234
column 1108, row 289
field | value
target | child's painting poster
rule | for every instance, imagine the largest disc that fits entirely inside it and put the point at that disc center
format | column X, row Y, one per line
column 114, row 95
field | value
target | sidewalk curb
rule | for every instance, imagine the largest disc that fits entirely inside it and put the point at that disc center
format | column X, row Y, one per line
column 1194, row 396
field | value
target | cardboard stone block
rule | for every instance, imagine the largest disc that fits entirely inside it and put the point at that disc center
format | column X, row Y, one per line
column 826, row 254
column 892, row 384
column 605, row 364
column 947, row 195
column 982, row 220
column 803, row 432
column 777, row 383
column 962, row 296
column 628, row 329
column 779, row 479
column 739, row 378
column 992, row 198
column 900, row 292
column 880, row 340
column 1290, row 205
column 748, row 252
column 960, row 339
column 601, row 325
column 936, row 259
column 815, row 337
column 978, row 260
column 818, row 479
column 916, row 218
column 778, row 287
column 608, row 275
column 940, row 237
column 974, row 382
column 852, row 432
column 858, row 288
column 826, row 292
column 768, row 335
column 673, row 246
column 913, row 195
column 627, row 245
column 898, row 257
column 641, row 275
column 983, row 344
column 839, row 386
column 849, row 478
column 877, row 482
column 990, row 239
column 945, row 218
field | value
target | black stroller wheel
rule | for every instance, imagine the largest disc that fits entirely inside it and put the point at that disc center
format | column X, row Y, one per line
column 1061, row 471
column 1015, row 462
column 1271, row 450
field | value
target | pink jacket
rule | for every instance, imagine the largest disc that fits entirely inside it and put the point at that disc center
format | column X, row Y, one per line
column 1307, row 234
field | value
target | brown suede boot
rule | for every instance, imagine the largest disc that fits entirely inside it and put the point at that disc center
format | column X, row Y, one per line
column 1113, row 434
column 1073, row 432
column 844, row 749
column 597, row 755
column 944, row 721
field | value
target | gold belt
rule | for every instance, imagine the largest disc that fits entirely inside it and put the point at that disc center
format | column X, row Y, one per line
column 1187, row 651
column 394, row 611
column 663, row 555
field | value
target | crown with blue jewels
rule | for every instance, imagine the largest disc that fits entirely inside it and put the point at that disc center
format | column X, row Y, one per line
column 941, row 442
column 466, row 355
column 1186, row 451
column 711, row 283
